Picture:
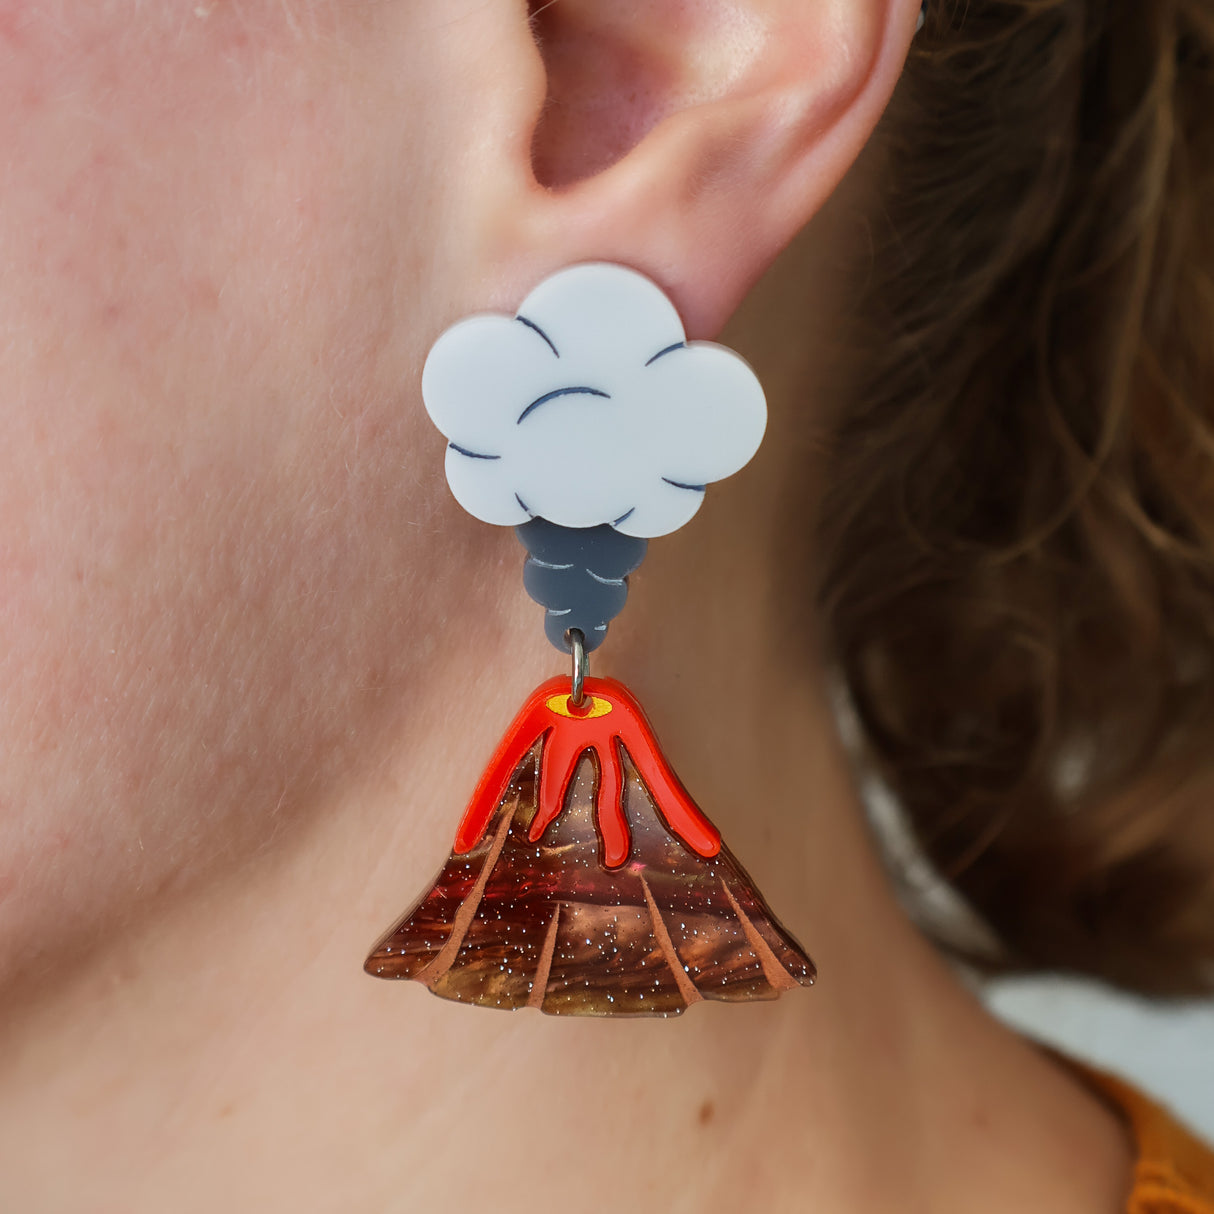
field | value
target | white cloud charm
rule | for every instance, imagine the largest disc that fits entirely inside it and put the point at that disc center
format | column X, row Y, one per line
column 590, row 406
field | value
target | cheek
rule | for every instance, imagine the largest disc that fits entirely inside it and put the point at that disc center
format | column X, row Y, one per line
column 191, row 195
column 216, row 480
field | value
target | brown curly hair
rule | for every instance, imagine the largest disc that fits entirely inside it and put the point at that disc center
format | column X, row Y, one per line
column 1020, row 529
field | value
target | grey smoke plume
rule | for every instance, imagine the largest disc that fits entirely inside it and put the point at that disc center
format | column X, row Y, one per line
column 580, row 575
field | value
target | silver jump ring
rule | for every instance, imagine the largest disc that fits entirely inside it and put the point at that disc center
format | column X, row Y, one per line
column 581, row 666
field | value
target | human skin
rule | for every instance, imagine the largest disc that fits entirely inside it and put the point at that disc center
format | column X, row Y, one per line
column 253, row 654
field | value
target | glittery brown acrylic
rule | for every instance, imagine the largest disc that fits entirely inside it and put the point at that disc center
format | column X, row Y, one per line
column 514, row 921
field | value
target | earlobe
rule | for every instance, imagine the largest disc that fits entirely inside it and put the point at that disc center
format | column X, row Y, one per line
column 693, row 142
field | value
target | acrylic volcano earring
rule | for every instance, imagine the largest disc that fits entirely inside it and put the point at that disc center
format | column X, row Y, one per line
column 584, row 880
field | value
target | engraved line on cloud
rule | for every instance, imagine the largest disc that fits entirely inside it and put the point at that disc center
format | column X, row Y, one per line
column 521, row 400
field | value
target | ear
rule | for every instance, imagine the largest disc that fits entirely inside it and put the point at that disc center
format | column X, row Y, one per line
column 692, row 140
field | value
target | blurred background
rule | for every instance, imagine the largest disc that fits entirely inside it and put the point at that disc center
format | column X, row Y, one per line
column 1165, row 1048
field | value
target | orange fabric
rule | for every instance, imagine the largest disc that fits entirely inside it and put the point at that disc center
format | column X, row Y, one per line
column 1174, row 1172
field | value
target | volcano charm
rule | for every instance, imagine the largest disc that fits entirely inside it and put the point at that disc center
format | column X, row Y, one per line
column 585, row 881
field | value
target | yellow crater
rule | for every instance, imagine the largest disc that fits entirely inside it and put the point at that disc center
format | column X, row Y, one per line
column 560, row 705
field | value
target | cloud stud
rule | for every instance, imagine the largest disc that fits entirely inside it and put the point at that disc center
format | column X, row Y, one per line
column 589, row 407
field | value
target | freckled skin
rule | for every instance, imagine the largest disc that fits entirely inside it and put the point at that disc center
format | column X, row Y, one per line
column 212, row 253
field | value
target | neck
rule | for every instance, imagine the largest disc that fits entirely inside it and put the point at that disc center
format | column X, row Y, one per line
column 234, row 1045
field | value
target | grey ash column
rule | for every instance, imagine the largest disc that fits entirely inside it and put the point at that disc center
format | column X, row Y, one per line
column 579, row 575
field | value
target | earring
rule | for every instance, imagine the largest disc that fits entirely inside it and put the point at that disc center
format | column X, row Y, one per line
column 584, row 879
